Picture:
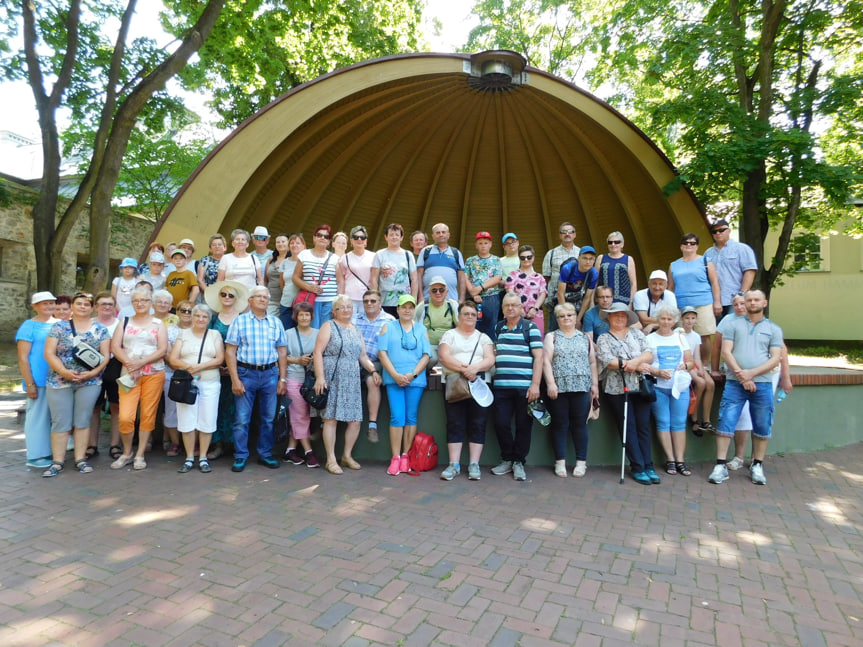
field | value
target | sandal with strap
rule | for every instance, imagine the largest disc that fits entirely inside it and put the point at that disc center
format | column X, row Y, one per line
column 115, row 451
column 54, row 469
column 92, row 452
column 706, row 426
column 84, row 467
column 695, row 426
column 670, row 467
column 683, row 469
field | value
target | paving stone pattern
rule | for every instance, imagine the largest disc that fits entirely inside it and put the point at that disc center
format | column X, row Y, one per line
column 299, row 557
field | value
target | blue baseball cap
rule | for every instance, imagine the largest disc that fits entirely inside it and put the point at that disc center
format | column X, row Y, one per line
column 508, row 235
column 587, row 249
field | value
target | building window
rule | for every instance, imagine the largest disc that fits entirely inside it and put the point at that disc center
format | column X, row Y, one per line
column 809, row 253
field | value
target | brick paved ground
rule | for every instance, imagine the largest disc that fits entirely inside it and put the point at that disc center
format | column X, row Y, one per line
column 298, row 557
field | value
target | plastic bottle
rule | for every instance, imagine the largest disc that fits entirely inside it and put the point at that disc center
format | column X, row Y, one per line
column 781, row 394
column 479, row 311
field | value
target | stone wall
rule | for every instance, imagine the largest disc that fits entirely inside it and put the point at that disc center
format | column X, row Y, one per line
column 129, row 235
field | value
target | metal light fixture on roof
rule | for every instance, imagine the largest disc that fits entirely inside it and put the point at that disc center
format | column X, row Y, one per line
column 497, row 70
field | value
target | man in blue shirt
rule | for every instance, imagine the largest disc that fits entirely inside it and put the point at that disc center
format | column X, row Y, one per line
column 577, row 282
column 518, row 371
column 369, row 323
column 604, row 296
column 442, row 260
column 256, row 354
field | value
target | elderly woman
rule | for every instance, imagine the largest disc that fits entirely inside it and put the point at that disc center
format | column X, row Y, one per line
column 301, row 343
column 617, row 270
column 623, row 356
column 239, row 265
column 404, row 352
column 30, row 340
column 693, row 280
column 315, row 274
column 296, row 244
column 339, row 354
column 467, row 352
column 140, row 343
column 572, row 382
column 671, row 355
column 72, row 388
column 199, row 351
column 273, row 274
column 530, row 285
column 105, row 308
column 355, row 268
column 171, row 444
column 208, row 266
column 224, row 299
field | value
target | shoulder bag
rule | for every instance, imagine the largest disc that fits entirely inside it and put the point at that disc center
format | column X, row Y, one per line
column 307, row 390
column 457, row 387
column 83, row 353
column 306, row 295
column 182, row 388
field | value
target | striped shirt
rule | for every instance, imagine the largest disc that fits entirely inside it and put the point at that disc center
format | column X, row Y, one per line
column 370, row 330
column 321, row 271
column 514, row 362
column 256, row 338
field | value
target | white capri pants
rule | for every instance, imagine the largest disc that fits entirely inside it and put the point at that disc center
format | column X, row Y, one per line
column 169, row 419
column 204, row 414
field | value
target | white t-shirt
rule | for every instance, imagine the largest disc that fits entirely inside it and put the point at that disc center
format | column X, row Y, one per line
column 394, row 279
column 461, row 348
column 667, row 354
column 243, row 270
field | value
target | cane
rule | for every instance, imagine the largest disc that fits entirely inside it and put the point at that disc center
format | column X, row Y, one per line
column 625, row 417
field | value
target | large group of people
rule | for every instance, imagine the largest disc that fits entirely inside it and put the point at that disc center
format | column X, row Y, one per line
column 237, row 329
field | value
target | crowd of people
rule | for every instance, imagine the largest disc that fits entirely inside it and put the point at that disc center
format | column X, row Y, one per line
column 202, row 341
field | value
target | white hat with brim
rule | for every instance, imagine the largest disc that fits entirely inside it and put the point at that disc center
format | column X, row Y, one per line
column 211, row 295
column 631, row 317
column 482, row 395
column 39, row 297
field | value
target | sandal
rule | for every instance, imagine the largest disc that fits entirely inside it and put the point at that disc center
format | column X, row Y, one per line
column 115, row 451
column 53, row 470
column 709, row 428
column 173, row 450
column 92, row 452
column 683, row 469
column 696, row 428
column 216, row 453
column 333, row 468
column 671, row 467
column 84, row 467
column 187, row 466
column 139, row 463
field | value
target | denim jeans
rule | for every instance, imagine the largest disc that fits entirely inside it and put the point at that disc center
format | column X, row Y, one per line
column 322, row 312
column 511, row 405
column 490, row 314
column 670, row 414
column 760, row 408
column 569, row 413
column 261, row 384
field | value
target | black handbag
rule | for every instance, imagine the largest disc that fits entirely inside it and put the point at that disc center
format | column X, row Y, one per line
column 182, row 388
column 307, row 390
column 647, row 388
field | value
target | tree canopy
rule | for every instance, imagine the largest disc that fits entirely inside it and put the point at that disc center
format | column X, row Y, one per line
column 758, row 104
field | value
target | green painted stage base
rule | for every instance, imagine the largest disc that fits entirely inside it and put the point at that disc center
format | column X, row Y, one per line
column 811, row 418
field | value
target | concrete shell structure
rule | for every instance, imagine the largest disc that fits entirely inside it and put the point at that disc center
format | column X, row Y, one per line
column 479, row 142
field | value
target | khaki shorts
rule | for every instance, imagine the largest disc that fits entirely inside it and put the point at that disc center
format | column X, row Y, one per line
column 705, row 324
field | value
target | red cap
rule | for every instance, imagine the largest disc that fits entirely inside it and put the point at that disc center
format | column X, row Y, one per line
column 483, row 234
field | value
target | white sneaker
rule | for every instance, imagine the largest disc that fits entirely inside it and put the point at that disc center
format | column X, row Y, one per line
column 505, row 467
column 560, row 468
column 735, row 463
column 518, row 471
column 580, row 469
column 756, row 473
column 719, row 474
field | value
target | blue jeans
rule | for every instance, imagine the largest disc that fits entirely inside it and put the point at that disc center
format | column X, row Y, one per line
column 286, row 316
column 321, row 313
column 670, row 414
column 569, row 413
column 490, row 314
column 511, row 405
column 760, row 408
column 261, row 384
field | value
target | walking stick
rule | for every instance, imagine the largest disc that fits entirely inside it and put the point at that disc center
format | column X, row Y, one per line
column 625, row 418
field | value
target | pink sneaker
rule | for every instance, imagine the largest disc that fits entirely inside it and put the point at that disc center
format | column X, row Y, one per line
column 395, row 463
column 404, row 464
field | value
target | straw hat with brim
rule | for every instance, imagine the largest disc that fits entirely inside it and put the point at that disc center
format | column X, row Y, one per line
column 631, row 317
column 211, row 295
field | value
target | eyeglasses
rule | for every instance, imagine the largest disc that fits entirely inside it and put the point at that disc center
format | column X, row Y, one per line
column 615, row 242
column 689, row 243
column 226, row 295
column 137, row 302
column 437, row 290
column 102, row 304
column 719, row 231
column 343, row 308
column 567, row 231
column 409, row 343
column 185, row 311
column 260, row 296
column 359, row 237
column 467, row 313
column 528, row 257
column 322, row 235
column 370, row 301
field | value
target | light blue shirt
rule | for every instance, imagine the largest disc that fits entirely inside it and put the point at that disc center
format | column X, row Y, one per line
column 731, row 262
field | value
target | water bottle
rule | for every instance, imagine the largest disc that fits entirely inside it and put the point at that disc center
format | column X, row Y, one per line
column 781, row 394
column 479, row 312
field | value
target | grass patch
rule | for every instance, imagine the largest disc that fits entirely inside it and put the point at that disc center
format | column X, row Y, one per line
column 852, row 351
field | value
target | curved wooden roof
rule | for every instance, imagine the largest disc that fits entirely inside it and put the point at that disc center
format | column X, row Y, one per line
column 479, row 142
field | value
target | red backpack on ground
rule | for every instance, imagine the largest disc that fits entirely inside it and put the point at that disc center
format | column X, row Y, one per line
column 423, row 453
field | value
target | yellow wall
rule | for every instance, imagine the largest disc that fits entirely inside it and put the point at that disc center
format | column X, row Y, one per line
column 826, row 304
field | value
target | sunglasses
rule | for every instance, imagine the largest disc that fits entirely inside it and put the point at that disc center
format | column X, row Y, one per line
column 526, row 258
column 185, row 311
column 689, row 243
column 567, row 231
column 359, row 237
column 719, row 231
column 326, row 236
column 437, row 290
column 615, row 242
column 260, row 237
column 226, row 295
